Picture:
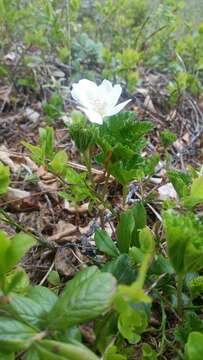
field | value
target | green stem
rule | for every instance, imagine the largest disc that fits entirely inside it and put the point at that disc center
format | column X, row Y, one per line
column 143, row 270
column 125, row 193
column 88, row 163
column 179, row 295
column 2, row 283
column 105, row 188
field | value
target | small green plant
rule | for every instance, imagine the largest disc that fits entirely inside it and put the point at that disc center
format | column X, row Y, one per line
column 34, row 320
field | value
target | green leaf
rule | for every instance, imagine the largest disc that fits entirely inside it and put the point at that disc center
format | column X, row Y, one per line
column 54, row 278
column 112, row 354
column 36, row 151
column 105, row 329
column 105, row 243
column 83, row 134
column 47, row 142
column 31, row 355
column 194, row 346
column 6, row 356
column 179, row 231
column 124, row 230
column 148, row 353
column 43, row 296
column 59, row 162
column 161, row 265
column 192, row 322
column 19, row 245
column 5, row 243
column 87, row 296
column 146, row 241
column 14, row 335
column 184, row 235
column 25, row 309
column 140, row 219
column 17, row 280
column 55, row 350
column 180, row 181
column 4, row 178
column 167, row 138
column 121, row 268
column 133, row 322
column 195, row 286
column 197, row 188
column 196, row 193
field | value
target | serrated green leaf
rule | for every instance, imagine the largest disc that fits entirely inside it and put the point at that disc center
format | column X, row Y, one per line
column 180, row 181
column 184, row 234
column 105, row 243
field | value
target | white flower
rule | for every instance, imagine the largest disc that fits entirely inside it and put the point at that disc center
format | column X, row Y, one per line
column 97, row 101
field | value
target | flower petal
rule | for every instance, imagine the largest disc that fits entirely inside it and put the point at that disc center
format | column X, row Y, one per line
column 92, row 115
column 116, row 109
column 106, row 86
column 108, row 93
column 84, row 92
column 114, row 95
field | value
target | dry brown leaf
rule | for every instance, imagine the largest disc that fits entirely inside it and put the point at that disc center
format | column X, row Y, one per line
column 68, row 261
column 31, row 115
column 73, row 209
column 63, row 230
column 5, row 157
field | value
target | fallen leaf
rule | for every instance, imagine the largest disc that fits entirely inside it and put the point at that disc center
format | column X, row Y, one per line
column 167, row 192
column 5, row 157
column 68, row 261
column 63, row 229
column 31, row 115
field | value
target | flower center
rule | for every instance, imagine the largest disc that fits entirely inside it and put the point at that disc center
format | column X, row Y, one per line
column 99, row 106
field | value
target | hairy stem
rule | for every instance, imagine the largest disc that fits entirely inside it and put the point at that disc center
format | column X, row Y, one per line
column 88, row 163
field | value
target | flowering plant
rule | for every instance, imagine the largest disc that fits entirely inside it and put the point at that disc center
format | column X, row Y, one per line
column 99, row 101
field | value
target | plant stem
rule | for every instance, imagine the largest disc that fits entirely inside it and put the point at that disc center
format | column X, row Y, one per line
column 143, row 270
column 2, row 283
column 105, row 188
column 125, row 193
column 88, row 163
column 179, row 296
